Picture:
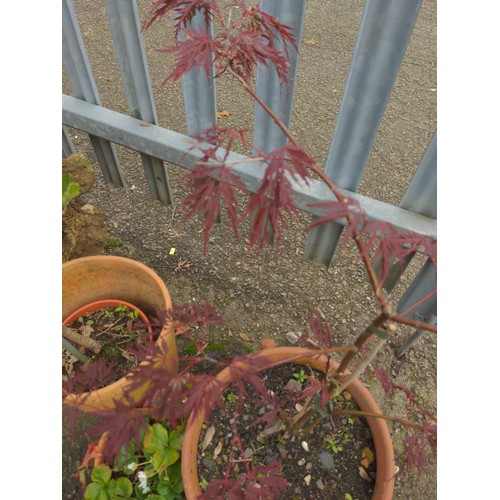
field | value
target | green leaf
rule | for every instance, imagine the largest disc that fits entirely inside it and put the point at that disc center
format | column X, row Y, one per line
column 65, row 182
column 155, row 497
column 123, row 488
column 70, row 189
column 101, row 474
column 176, row 437
column 170, row 491
column 156, row 438
column 126, row 457
column 163, row 458
column 96, row 491
column 174, row 472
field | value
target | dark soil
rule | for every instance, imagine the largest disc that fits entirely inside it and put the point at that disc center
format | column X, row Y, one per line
column 116, row 330
column 322, row 464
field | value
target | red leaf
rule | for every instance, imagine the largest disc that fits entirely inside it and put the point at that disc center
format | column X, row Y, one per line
column 184, row 11
column 209, row 186
column 197, row 51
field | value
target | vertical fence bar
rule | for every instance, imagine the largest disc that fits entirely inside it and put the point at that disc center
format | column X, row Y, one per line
column 423, row 284
column 67, row 144
column 385, row 30
column 279, row 97
column 198, row 88
column 124, row 21
column 420, row 197
column 413, row 339
column 83, row 84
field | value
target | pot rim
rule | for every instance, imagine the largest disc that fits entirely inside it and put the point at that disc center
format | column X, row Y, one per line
column 101, row 304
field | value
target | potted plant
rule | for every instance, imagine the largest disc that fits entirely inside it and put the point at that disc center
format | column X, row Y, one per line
column 245, row 37
column 88, row 280
column 151, row 471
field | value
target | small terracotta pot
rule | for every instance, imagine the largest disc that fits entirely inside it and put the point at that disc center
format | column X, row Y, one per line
column 101, row 304
column 384, row 452
column 95, row 278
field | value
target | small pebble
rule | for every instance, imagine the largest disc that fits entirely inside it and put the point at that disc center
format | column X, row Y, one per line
column 327, row 460
column 307, row 479
column 320, row 484
column 305, row 445
column 301, row 462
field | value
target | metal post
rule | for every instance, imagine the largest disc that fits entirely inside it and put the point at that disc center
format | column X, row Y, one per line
column 124, row 21
column 385, row 30
column 82, row 81
column 421, row 198
column 198, row 88
column 279, row 97
column 67, row 144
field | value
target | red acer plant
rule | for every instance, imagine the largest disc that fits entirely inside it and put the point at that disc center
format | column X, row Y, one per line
column 244, row 37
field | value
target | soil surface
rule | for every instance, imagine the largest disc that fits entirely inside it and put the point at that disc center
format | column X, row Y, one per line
column 322, row 464
column 273, row 295
column 115, row 329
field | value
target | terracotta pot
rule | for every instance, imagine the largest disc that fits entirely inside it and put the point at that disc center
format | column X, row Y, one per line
column 90, row 279
column 100, row 304
column 384, row 484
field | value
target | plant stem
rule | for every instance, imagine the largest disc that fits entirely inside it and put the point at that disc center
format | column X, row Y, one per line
column 422, row 300
column 74, row 351
column 80, row 339
column 361, row 413
column 362, row 365
column 415, row 323
column 340, row 197
column 358, row 344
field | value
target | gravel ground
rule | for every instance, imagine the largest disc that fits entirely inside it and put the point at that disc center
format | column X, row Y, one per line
column 273, row 295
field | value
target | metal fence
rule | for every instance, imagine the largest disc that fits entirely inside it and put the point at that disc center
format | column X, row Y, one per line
column 386, row 26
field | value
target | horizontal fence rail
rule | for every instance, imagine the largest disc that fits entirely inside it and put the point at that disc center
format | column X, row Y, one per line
column 177, row 148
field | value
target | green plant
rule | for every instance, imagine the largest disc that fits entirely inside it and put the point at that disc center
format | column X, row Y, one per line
column 150, row 472
column 301, row 376
column 70, row 189
column 231, row 397
column 332, row 445
column 114, row 242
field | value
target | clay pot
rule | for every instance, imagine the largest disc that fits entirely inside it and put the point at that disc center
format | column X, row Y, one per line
column 384, row 452
column 89, row 279
column 100, row 304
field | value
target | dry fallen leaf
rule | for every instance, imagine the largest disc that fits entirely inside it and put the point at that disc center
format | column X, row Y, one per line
column 368, row 456
column 86, row 330
column 218, row 449
column 129, row 357
column 222, row 114
column 209, row 435
column 364, row 475
column 311, row 42
column 245, row 337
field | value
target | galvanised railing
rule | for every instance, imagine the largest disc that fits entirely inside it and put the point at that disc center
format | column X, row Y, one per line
column 386, row 26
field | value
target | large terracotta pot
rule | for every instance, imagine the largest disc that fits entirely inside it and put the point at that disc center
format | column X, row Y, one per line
column 384, row 485
column 94, row 278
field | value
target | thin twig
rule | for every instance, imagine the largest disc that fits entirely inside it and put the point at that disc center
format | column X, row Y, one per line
column 79, row 339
